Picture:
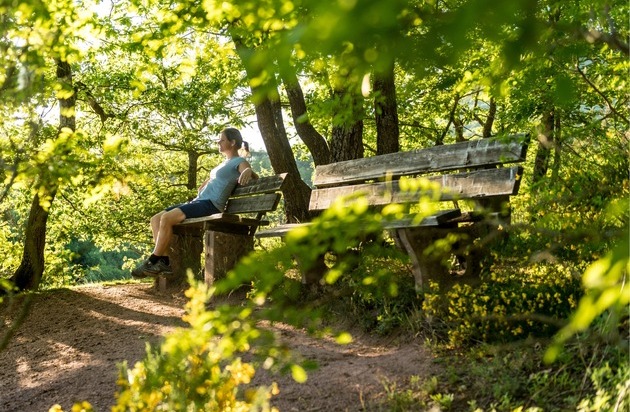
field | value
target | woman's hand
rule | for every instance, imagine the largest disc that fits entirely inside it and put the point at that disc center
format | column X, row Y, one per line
column 246, row 176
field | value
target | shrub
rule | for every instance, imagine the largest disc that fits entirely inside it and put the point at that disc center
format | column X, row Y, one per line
column 197, row 368
column 506, row 307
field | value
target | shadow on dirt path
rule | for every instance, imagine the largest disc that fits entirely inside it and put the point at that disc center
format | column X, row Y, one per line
column 69, row 346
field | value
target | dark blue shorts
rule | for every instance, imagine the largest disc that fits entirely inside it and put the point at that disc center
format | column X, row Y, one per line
column 196, row 208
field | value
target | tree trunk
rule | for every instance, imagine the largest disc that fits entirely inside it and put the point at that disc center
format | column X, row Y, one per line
column 459, row 129
column 545, row 144
column 347, row 137
column 451, row 117
column 557, row 153
column 296, row 192
column 487, row 126
column 315, row 142
column 29, row 273
column 193, row 161
column 387, row 131
column 347, row 142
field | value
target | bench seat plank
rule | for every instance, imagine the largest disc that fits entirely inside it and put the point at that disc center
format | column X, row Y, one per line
column 440, row 218
column 223, row 218
column 280, row 230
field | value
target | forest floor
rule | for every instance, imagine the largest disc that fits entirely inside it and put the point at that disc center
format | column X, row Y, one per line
column 68, row 347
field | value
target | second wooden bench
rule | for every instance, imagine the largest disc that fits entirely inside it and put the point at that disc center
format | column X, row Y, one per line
column 483, row 171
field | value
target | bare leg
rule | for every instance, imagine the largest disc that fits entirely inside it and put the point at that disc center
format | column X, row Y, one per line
column 155, row 224
column 165, row 230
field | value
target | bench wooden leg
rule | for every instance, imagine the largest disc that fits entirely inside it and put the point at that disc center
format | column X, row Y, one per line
column 223, row 251
column 185, row 253
column 313, row 275
column 435, row 266
column 424, row 267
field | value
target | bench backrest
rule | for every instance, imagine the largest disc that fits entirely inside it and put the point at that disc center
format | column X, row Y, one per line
column 466, row 170
column 259, row 196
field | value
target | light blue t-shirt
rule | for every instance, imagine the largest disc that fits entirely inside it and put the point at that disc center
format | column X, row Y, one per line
column 223, row 180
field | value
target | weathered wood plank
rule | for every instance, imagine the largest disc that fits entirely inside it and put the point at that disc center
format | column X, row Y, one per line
column 222, row 219
column 437, row 219
column 253, row 204
column 222, row 252
column 469, row 185
column 267, row 184
column 280, row 230
column 463, row 155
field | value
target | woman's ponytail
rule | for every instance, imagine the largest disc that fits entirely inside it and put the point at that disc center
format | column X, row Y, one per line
column 244, row 150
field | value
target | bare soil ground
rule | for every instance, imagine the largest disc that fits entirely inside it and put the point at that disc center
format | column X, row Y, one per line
column 69, row 345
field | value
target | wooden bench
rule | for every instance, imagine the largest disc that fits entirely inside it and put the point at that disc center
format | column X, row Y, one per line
column 480, row 170
column 225, row 237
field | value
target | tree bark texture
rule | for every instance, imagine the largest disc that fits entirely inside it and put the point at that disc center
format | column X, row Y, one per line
column 28, row 275
column 346, row 142
column 64, row 75
column 193, row 161
column 315, row 142
column 296, row 192
column 387, row 131
column 487, row 126
column 557, row 153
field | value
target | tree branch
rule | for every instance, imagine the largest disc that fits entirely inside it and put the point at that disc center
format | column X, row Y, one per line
column 612, row 39
column 608, row 103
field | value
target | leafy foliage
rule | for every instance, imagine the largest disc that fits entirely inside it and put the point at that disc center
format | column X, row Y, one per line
column 507, row 307
column 155, row 80
column 198, row 368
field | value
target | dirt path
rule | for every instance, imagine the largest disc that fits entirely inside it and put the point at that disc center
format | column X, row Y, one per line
column 69, row 345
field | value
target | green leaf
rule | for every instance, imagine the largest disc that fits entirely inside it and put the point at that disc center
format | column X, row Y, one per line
column 344, row 338
column 298, row 373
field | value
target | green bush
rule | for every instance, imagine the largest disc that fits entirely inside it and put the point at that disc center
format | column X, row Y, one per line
column 198, row 368
column 505, row 307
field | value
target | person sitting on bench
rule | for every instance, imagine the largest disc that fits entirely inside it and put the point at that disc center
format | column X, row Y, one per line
column 212, row 198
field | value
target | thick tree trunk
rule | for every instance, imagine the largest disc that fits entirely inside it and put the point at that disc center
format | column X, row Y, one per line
column 387, row 131
column 347, row 137
column 29, row 273
column 315, row 142
column 270, row 123
column 347, row 142
column 545, row 144
column 296, row 192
